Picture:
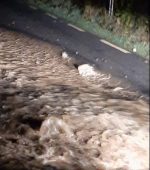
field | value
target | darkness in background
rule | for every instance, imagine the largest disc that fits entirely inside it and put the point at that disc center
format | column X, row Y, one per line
column 140, row 7
column 134, row 6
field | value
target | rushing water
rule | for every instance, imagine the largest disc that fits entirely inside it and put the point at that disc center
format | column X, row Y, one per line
column 49, row 115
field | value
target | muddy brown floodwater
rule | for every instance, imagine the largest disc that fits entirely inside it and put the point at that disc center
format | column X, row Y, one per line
column 51, row 118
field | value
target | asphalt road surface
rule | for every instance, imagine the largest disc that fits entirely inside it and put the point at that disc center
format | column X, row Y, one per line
column 85, row 46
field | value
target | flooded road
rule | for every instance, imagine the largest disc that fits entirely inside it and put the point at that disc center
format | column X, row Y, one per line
column 51, row 117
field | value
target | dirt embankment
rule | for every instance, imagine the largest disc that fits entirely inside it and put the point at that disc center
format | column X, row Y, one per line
column 50, row 116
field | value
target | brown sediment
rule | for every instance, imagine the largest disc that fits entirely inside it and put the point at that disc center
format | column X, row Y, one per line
column 49, row 115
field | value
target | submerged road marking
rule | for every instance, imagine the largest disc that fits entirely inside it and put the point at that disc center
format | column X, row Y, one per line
column 54, row 17
column 75, row 27
column 114, row 46
column 32, row 7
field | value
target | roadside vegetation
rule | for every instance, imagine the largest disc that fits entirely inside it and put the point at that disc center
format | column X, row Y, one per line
column 125, row 28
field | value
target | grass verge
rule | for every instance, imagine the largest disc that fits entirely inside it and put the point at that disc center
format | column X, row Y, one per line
column 74, row 16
